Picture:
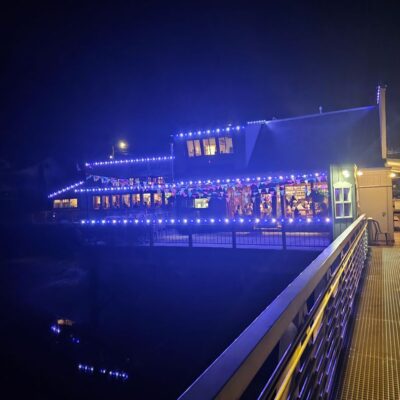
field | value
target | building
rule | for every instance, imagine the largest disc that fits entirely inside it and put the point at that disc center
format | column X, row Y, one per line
column 281, row 168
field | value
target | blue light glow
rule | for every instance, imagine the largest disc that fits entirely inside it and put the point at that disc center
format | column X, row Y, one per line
column 227, row 129
column 129, row 161
column 66, row 189
column 204, row 221
column 232, row 181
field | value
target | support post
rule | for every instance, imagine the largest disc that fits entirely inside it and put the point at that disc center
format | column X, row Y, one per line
column 151, row 235
column 190, row 239
column 284, row 246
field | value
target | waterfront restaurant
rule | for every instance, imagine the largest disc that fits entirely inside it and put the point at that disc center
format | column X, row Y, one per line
column 279, row 168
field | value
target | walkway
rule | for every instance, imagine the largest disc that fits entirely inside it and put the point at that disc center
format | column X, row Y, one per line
column 372, row 370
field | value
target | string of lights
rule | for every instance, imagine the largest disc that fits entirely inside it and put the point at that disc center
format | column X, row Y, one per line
column 206, row 221
column 66, row 189
column 253, row 180
column 229, row 129
column 129, row 161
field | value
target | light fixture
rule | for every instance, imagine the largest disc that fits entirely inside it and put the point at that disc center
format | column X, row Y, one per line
column 392, row 175
column 360, row 173
column 346, row 173
column 122, row 145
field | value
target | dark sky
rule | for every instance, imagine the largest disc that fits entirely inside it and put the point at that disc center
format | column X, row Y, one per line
column 76, row 77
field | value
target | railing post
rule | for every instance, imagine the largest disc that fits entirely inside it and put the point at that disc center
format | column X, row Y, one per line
column 190, row 239
column 283, row 231
column 233, row 238
column 151, row 236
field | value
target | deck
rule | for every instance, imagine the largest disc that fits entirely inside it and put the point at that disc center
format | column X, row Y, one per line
column 372, row 366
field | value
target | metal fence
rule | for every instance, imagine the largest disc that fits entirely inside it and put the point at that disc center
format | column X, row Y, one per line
column 291, row 351
column 279, row 237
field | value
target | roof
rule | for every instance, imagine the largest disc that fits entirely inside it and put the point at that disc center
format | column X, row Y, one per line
column 315, row 141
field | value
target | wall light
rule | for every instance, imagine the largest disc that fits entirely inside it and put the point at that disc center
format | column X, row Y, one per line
column 346, row 173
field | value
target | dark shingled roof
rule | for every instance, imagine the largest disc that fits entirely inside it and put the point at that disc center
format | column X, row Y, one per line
column 315, row 141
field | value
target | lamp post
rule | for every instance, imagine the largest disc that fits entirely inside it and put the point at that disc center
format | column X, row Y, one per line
column 122, row 147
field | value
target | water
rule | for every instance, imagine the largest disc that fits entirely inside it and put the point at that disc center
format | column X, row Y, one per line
column 162, row 314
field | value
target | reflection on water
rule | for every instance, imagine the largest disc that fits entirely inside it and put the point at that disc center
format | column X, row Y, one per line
column 156, row 316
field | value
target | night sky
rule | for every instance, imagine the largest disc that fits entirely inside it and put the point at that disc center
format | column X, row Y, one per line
column 75, row 78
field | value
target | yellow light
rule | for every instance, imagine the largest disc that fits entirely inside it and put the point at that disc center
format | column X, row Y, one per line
column 122, row 145
column 346, row 173
column 360, row 173
column 392, row 175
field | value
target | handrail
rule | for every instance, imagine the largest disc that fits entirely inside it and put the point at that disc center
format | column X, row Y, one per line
column 230, row 374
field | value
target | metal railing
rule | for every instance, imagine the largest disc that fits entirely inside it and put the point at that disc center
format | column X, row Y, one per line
column 291, row 350
column 282, row 236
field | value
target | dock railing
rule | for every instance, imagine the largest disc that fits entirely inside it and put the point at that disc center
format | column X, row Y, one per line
column 292, row 349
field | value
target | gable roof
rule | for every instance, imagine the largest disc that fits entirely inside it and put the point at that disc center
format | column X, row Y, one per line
column 317, row 140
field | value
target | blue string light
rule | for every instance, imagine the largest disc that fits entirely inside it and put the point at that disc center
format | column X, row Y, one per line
column 227, row 130
column 205, row 221
column 66, row 189
column 231, row 181
column 129, row 161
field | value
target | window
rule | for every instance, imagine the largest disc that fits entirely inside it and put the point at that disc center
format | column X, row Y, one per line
column 157, row 199
column 65, row 203
column 210, row 147
column 169, row 199
column 147, row 200
column 225, row 145
column 342, row 197
column 136, row 200
column 201, row 203
column 126, row 200
column 194, row 148
column 105, row 202
column 115, row 200
column 96, row 202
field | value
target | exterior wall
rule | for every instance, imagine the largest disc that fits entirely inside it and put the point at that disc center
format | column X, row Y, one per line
column 375, row 196
column 219, row 165
column 342, row 174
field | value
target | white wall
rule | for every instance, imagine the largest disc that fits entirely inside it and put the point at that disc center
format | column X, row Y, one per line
column 375, row 196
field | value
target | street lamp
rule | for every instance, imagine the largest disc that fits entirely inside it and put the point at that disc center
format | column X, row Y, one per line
column 122, row 145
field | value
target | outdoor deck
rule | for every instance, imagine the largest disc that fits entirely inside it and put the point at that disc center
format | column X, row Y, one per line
column 372, row 366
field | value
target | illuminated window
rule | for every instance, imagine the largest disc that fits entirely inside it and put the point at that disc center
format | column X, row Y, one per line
column 65, row 203
column 194, row 148
column 126, row 200
column 105, row 202
column 115, row 200
column 96, row 202
column 342, row 197
column 168, row 199
column 147, row 199
column 225, row 145
column 73, row 203
column 157, row 199
column 201, row 203
column 136, row 200
column 210, row 147
column 190, row 148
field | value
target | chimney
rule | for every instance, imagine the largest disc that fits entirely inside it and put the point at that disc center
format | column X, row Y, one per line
column 381, row 101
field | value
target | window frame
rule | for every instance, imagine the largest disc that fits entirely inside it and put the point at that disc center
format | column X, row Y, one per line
column 341, row 186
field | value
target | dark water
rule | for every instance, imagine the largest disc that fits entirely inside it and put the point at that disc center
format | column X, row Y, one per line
column 163, row 314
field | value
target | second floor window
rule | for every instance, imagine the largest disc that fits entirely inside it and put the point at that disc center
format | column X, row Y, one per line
column 210, row 147
column 225, row 145
column 194, row 148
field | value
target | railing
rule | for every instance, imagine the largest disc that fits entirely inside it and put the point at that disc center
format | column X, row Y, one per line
column 282, row 234
column 292, row 349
